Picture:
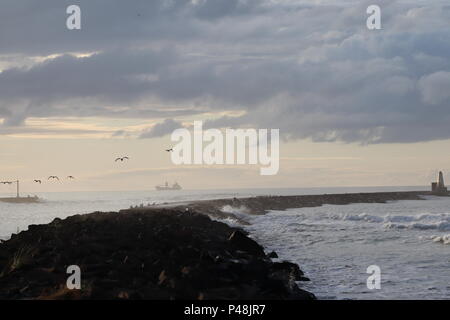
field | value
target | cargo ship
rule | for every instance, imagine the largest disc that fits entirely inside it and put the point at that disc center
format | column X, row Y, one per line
column 166, row 186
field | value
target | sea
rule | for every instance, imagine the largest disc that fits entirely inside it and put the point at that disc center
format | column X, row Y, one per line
column 337, row 246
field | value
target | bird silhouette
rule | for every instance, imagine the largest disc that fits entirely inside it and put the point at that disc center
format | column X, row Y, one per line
column 70, row 177
column 38, row 181
column 53, row 177
column 169, row 150
column 122, row 159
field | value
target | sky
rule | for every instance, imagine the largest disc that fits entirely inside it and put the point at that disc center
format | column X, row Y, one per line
column 355, row 107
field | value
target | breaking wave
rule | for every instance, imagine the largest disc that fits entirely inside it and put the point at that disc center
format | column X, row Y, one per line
column 360, row 217
column 444, row 239
column 233, row 216
column 440, row 222
column 393, row 218
column 440, row 226
column 238, row 211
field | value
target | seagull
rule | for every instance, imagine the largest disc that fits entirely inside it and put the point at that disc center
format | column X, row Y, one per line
column 169, row 150
column 6, row 182
column 53, row 177
column 122, row 159
column 70, row 177
column 38, row 181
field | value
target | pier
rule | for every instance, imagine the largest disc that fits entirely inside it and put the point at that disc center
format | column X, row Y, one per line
column 18, row 198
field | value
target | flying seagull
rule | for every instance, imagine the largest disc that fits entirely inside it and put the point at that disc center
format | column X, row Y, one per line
column 122, row 159
column 38, row 181
column 53, row 177
column 169, row 150
column 70, row 177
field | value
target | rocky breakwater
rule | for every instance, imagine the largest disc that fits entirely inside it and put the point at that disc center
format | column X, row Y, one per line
column 143, row 254
column 262, row 204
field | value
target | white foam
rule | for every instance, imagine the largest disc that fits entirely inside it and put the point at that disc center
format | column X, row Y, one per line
column 426, row 221
column 242, row 210
column 229, row 221
column 440, row 226
column 239, row 214
column 445, row 239
column 362, row 217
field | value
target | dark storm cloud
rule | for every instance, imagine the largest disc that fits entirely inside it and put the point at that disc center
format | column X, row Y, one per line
column 40, row 28
column 114, row 76
column 312, row 71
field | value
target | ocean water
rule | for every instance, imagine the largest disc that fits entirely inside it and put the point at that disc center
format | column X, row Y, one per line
column 15, row 217
column 334, row 245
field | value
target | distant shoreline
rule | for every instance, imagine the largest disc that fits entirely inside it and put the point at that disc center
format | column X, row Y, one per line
column 298, row 190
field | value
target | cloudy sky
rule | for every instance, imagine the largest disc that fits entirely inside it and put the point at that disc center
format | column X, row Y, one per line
column 354, row 107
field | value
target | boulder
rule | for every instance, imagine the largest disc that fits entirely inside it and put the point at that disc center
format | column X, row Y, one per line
column 240, row 241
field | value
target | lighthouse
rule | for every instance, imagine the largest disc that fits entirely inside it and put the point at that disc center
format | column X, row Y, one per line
column 439, row 186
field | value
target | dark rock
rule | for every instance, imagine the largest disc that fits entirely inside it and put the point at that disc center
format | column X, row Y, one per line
column 272, row 255
column 241, row 242
column 262, row 204
column 146, row 254
column 289, row 267
column 303, row 279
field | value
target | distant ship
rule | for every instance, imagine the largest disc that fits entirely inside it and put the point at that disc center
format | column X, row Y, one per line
column 166, row 186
